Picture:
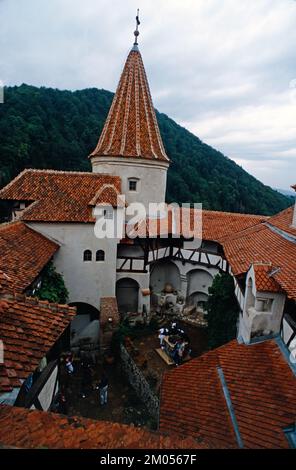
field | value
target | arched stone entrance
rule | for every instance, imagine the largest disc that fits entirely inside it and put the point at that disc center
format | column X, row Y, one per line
column 199, row 281
column 127, row 295
column 85, row 324
column 198, row 299
column 162, row 273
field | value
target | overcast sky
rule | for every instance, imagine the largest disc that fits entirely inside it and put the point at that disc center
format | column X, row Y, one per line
column 225, row 69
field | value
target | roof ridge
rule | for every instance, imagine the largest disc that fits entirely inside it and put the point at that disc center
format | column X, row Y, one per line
column 282, row 211
column 240, row 233
column 234, row 213
column 60, row 172
column 53, row 306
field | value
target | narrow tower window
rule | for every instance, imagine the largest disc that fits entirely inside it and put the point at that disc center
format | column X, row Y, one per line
column 87, row 255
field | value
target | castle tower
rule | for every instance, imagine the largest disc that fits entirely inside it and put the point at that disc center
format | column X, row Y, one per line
column 130, row 145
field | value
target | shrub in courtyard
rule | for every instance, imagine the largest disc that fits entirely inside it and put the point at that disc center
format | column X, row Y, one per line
column 223, row 311
column 52, row 286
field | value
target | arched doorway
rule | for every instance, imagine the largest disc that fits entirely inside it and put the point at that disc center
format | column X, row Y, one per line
column 85, row 324
column 198, row 299
column 127, row 295
column 162, row 273
column 198, row 285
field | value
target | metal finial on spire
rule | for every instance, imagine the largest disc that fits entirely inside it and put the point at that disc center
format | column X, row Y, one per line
column 136, row 32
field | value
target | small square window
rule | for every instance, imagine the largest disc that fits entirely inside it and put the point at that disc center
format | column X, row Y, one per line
column 133, row 185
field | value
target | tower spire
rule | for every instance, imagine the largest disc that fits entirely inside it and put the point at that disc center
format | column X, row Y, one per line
column 131, row 128
column 136, row 32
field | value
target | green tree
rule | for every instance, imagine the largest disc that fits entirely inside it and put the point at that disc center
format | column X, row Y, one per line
column 49, row 128
column 223, row 311
column 52, row 286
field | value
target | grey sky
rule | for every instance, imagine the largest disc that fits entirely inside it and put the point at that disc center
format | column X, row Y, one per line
column 226, row 70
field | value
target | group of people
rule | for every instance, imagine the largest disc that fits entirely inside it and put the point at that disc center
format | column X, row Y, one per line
column 87, row 381
column 179, row 338
column 86, row 384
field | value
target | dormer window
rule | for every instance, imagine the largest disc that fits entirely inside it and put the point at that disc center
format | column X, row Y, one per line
column 132, row 184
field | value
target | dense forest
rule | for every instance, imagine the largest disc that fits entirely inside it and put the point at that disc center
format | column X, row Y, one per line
column 49, row 128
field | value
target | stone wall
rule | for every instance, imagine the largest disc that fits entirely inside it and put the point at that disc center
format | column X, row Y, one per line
column 139, row 383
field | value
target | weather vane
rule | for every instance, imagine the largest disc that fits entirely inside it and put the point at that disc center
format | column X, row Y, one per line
column 136, row 32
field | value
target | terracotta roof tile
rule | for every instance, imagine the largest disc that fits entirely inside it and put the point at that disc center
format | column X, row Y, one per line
column 60, row 196
column 260, row 244
column 283, row 221
column 131, row 128
column 192, row 399
column 23, row 428
column 28, row 329
column 108, row 194
column 7, row 285
column 219, row 225
column 263, row 278
column 210, row 225
column 23, row 253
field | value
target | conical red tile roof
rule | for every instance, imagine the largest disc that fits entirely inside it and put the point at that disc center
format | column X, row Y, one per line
column 131, row 128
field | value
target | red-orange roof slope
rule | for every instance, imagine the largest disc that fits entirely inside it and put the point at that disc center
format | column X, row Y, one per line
column 260, row 244
column 28, row 329
column 23, row 428
column 23, row 253
column 261, row 387
column 59, row 196
column 131, row 128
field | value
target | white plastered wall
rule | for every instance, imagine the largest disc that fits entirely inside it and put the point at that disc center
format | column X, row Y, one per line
column 253, row 320
column 151, row 177
column 86, row 281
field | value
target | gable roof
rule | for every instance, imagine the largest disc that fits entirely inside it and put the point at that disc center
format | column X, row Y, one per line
column 23, row 428
column 259, row 244
column 192, row 398
column 23, row 253
column 60, row 196
column 28, row 328
column 131, row 128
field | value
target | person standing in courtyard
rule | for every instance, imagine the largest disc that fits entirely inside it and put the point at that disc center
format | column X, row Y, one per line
column 103, row 389
column 163, row 332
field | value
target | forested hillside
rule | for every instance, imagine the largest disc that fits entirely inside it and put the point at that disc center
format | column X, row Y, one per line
column 48, row 128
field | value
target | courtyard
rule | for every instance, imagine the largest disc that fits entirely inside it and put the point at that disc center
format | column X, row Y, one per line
column 124, row 406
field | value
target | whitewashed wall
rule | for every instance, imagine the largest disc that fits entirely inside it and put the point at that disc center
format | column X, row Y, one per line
column 151, row 177
column 87, row 281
